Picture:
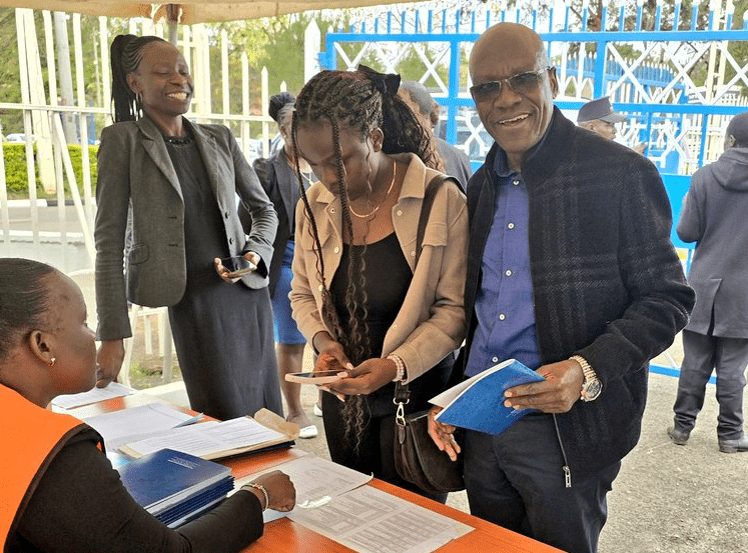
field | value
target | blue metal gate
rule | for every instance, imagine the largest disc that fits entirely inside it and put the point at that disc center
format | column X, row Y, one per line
column 680, row 123
column 646, row 73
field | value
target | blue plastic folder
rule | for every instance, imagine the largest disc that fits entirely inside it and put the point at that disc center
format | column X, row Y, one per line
column 478, row 403
column 175, row 486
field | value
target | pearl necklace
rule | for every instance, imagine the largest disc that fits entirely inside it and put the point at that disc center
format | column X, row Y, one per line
column 392, row 184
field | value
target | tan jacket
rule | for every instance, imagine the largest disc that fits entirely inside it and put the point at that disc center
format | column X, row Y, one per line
column 431, row 321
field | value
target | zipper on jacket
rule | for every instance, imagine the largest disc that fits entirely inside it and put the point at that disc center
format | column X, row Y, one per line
column 565, row 467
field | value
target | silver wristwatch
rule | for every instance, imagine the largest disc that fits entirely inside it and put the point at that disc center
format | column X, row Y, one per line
column 591, row 387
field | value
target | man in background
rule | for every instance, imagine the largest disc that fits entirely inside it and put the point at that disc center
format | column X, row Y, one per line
column 456, row 162
column 714, row 216
column 599, row 117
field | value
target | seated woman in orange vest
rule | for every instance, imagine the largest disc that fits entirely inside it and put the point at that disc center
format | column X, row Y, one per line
column 59, row 492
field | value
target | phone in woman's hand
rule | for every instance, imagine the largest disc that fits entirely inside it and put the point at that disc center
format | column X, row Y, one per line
column 238, row 265
column 314, row 377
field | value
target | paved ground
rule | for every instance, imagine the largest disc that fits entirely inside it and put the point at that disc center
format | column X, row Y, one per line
column 667, row 498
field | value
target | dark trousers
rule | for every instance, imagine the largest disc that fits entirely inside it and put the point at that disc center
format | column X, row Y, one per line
column 516, row 480
column 702, row 354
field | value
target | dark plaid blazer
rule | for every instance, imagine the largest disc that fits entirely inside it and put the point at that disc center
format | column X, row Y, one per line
column 607, row 282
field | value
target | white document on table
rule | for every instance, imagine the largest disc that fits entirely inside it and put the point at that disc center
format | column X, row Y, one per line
column 369, row 520
column 121, row 427
column 112, row 390
column 316, row 480
column 208, row 440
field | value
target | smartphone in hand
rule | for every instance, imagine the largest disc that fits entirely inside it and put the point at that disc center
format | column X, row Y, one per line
column 318, row 377
column 238, row 265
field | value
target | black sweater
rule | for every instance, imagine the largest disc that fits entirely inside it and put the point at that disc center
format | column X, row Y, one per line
column 80, row 505
column 607, row 282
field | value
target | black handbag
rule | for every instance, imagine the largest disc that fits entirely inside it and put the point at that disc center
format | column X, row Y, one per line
column 417, row 459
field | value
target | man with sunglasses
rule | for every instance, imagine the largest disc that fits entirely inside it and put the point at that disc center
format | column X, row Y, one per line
column 570, row 271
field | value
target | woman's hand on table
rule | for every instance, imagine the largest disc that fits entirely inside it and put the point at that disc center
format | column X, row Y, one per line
column 281, row 491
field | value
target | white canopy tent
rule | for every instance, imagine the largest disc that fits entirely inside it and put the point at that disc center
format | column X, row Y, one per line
column 193, row 11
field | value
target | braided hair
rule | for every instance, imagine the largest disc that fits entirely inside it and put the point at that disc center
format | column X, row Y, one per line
column 24, row 300
column 126, row 52
column 362, row 101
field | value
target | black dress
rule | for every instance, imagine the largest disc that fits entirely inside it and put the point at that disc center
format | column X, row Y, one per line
column 223, row 333
column 386, row 277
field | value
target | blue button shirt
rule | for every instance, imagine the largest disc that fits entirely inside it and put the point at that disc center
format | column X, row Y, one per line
column 504, row 303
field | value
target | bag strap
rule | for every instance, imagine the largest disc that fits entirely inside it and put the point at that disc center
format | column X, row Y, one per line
column 428, row 200
column 402, row 391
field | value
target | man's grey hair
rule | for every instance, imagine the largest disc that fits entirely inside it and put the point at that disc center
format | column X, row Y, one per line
column 419, row 95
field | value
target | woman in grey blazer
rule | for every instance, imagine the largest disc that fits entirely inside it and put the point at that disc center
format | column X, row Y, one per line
column 166, row 195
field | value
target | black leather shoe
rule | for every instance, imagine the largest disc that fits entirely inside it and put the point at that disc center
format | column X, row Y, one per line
column 678, row 437
column 733, row 446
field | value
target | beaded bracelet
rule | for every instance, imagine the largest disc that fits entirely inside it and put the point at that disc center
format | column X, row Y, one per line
column 400, row 365
column 263, row 490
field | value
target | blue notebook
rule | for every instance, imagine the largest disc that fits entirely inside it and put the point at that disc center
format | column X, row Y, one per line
column 191, row 507
column 478, row 403
column 166, row 479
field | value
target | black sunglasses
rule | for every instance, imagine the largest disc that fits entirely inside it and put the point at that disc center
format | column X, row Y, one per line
column 520, row 83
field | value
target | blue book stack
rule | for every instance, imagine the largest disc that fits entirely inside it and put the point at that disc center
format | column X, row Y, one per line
column 478, row 403
column 176, row 487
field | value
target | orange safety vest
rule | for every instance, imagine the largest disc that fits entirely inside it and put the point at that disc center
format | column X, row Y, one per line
column 30, row 437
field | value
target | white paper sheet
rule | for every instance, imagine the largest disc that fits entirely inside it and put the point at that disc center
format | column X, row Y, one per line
column 206, row 438
column 369, row 520
column 316, row 480
column 135, row 423
column 112, row 390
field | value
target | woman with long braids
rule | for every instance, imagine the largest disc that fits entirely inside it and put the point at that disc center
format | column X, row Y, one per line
column 166, row 195
column 357, row 294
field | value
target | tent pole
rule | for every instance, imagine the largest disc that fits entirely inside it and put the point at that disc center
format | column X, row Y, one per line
column 172, row 18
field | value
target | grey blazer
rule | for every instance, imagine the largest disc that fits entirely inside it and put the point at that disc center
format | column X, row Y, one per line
column 136, row 180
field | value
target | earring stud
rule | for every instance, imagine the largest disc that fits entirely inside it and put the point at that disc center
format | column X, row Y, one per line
column 52, row 361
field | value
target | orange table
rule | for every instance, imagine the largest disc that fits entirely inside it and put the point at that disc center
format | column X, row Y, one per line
column 284, row 535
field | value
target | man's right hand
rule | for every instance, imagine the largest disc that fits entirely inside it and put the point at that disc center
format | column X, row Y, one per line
column 443, row 435
column 109, row 361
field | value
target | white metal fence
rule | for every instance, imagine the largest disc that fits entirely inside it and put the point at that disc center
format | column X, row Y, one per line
column 42, row 128
column 60, row 232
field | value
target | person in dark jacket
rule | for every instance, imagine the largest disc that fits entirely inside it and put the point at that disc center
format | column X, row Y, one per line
column 280, row 183
column 570, row 271
column 716, row 337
